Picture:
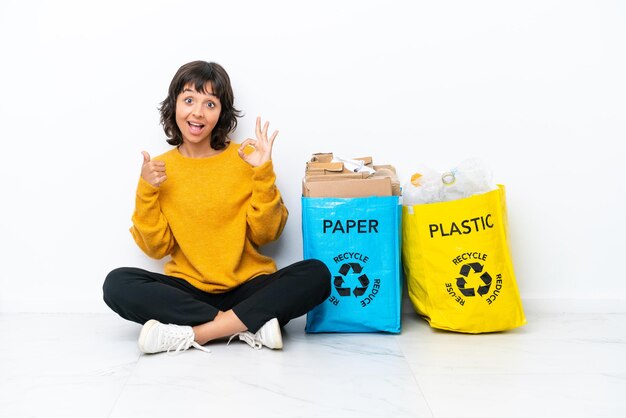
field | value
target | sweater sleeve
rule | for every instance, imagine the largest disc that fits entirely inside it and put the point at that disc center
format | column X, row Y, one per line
column 267, row 214
column 150, row 229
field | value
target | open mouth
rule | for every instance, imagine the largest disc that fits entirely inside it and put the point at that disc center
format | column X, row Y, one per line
column 195, row 128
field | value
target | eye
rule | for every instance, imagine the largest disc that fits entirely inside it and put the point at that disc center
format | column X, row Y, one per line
column 211, row 105
column 189, row 100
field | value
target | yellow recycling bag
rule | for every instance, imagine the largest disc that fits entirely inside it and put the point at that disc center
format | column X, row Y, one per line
column 457, row 264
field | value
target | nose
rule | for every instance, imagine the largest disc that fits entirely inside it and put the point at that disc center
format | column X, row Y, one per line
column 197, row 110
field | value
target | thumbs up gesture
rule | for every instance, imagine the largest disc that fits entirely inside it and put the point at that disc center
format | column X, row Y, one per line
column 153, row 171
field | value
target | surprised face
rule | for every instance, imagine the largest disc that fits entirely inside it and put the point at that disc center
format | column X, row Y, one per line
column 197, row 114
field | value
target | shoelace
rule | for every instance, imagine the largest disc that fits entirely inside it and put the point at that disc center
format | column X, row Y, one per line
column 252, row 340
column 199, row 347
column 181, row 341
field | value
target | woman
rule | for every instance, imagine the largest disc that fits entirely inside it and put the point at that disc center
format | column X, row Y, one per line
column 209, row 204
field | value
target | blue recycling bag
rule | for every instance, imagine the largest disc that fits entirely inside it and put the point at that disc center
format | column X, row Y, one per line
column 359, row 241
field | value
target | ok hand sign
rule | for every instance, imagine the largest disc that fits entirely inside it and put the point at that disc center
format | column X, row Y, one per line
column 262, row 145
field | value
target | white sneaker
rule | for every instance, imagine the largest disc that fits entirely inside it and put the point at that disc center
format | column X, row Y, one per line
column 268, row 335
column 156, row 337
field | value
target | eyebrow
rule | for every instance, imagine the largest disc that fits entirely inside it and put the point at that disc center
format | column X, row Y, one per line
column 208, row 93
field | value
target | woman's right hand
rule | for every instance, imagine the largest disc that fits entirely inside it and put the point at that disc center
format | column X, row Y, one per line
column 153, row 171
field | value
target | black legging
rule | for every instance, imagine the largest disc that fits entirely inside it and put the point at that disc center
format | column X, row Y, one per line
column 140, row 295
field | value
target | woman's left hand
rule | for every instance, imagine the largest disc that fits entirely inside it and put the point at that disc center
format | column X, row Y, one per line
column 262, row 146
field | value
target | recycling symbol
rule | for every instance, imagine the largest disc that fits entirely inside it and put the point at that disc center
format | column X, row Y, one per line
column 346, row 270
column 476, row 268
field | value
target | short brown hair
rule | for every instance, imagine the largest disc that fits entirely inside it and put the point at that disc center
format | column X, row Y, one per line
column 199, row 73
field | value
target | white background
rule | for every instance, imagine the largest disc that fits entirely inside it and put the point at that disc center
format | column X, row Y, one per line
column 535, row 88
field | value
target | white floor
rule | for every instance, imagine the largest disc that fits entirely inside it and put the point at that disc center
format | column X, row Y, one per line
column 563, row 363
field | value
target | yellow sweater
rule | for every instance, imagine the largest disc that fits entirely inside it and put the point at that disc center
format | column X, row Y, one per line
column 210, row 216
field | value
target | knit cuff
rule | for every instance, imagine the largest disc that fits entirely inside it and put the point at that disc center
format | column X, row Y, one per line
column 264, row 171
column 146, row 189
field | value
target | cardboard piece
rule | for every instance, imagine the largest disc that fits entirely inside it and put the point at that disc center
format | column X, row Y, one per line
column 368, row 160
column 322, row 157
column 335, row 176
column 373, row 186
column 315, row 166
column 325, row 178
